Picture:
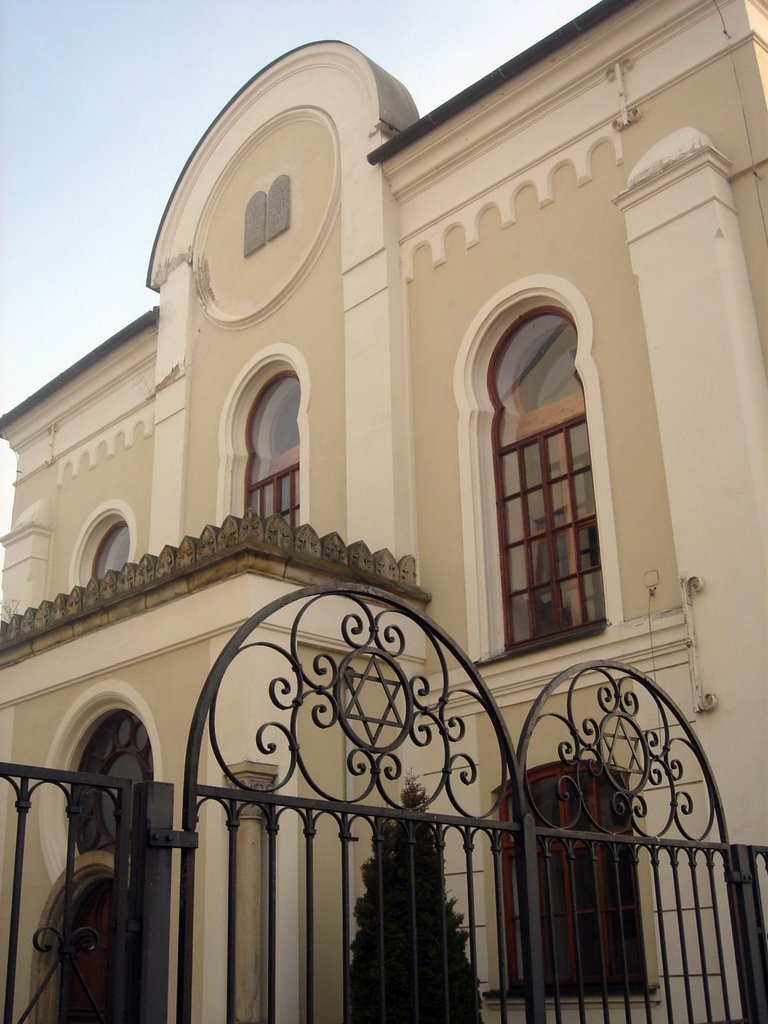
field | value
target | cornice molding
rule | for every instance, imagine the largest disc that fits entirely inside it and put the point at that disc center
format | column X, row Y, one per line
column 240, row 545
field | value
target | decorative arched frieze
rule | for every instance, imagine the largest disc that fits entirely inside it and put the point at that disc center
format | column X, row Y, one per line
column 539, row 176
column 479, row 524
column 89, row 451
column 67, row 747
column 233, row 453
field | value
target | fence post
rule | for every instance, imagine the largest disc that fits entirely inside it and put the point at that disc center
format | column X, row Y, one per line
column 531, row 946
column 750, row 950
column 151, row 901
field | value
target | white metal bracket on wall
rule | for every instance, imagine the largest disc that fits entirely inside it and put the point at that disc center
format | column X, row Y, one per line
column 627, row 114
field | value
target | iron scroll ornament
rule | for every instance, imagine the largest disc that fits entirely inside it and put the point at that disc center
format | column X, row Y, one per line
column 361, row 683
column 617, row 725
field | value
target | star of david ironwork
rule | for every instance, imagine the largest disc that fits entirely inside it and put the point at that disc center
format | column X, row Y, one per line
column 624, row 739
column 373, row 675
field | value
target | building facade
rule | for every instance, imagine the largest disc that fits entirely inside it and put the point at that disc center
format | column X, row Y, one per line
column 506, row 361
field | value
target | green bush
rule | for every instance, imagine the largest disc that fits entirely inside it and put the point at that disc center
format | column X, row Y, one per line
column 430, row 904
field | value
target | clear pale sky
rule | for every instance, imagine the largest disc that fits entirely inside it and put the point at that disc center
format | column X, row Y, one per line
column 101, row 103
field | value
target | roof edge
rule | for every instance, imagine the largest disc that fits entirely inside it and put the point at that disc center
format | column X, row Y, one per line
column 556, row 40
column 131, row 330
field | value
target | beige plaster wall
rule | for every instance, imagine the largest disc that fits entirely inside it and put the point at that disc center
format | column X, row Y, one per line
column 311, row 321
column 580, row 237
column 728, row 100
column 125, row 475
column 288, row 293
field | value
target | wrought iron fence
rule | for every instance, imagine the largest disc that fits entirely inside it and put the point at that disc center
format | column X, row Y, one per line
column 373, row 847
column 40, row 913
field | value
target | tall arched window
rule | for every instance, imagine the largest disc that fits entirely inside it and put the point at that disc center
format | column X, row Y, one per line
column 548, row 540
column 272, row 438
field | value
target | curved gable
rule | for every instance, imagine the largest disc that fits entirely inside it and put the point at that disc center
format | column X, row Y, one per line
column 328, row 84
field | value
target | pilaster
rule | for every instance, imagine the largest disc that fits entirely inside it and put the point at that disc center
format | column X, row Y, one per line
column 710, row 386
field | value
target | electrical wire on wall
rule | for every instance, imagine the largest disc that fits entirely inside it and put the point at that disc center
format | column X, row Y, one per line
column 755, row 175
column 651, row 591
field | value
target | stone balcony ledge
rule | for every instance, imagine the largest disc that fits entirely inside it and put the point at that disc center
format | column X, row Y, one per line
column 240, row 545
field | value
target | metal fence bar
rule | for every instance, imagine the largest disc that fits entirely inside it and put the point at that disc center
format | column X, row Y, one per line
column 498, row 904
column 233, row 827
column 750, row 943
column 662, row 930
column 23, row 805
column 272, row 827
column 594, row 853
column 345, row 838
column 700, row 934
column 469, row 878
column 546, row 856
column 718, row 934
column 151, row 900
column 445, row 976
column 615, row 855
column 309, row 913
column 634, row 853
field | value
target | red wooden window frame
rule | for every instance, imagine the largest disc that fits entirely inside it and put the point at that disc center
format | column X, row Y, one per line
column 585, row 893
column 548, row 537
column 278, row 490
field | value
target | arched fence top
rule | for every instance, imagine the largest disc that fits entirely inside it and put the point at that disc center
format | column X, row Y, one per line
column 605, row 721
column 354, row 676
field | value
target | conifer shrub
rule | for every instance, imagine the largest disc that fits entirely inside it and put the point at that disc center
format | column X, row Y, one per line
column 437, row 944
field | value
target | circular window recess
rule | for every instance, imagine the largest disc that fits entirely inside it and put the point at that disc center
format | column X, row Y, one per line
column 113, row 549
column 119, row 745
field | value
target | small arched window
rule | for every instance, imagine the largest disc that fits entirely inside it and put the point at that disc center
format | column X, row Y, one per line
column 272, row 439
column 550, row 554
column 119, row 746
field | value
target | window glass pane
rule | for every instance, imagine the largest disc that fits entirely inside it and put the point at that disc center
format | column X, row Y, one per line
column 579, row 446
column 285, row 432
column 540, row 561
column 285, row 495
column 518, row 576
column 589, row 937
column 564, row 555
column 589, row 549
column 542, row 612
column 570, row 604
column 274, row 432
column 511, row 474
column 561, row 503
column 520, row 626
column 537, row 366
column 593, row 595
column 536, row 519
column 584, row 876
column 113, row 550
column 556, row 460
column 514, row 520
column 532, row 465
column 585, row 495
column 546, row 800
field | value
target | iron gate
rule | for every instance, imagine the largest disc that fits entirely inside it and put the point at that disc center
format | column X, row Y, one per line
column 361, row 841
